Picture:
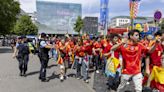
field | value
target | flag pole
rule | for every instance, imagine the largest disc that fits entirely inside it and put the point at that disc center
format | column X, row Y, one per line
column 132, row 23
column 132, row 15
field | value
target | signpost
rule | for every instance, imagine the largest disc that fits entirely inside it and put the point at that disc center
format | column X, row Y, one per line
column 157, row 17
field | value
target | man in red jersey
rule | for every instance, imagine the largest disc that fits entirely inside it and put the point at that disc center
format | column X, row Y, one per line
column 88, row 46
column 96, row 52
column 131, row 51
column 156, row 55
column 155, row 58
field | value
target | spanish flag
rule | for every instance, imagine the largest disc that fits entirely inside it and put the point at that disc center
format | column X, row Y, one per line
column 157, row 78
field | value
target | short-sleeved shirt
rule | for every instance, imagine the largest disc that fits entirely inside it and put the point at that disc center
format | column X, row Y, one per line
column 76, row 50
column 18, row 47
column 88, row 46
column 108, row 48
column 156, row 55
column 17, row 44
column 97, row 45
column 43, row 44
column 131, row 55
column 82, row 51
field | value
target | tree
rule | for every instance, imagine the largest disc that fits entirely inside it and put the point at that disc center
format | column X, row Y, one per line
column 25, row 26
column 9, row 9
column 162, row 25
column 78, row 25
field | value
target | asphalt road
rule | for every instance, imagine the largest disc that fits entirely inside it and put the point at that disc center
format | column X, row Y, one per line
column 10, row 81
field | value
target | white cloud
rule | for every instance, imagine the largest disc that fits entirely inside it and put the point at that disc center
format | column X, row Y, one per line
column 28, row 5
column 92, row 7
column 85, row 3
column 148, row 1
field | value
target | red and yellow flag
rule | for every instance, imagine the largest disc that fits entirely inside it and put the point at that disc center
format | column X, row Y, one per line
column 134, row 6
column 157, row 78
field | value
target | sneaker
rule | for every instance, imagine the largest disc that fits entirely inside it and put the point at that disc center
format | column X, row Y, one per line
column 20, row 74
column 61, row 78
column 66, row 77
column 44, row 80
column 78, row 78
column 127, row 83
column 40, row 78
column 97, row 71
column 24, row 75
column 86, row 81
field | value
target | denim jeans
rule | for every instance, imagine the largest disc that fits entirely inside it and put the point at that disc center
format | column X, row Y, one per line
column 97, row 62
column 78, row 68
column 85, row 68
column 104, row 60
column 89, row 60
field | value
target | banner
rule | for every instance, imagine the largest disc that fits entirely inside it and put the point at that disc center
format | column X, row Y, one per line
column 103, row 13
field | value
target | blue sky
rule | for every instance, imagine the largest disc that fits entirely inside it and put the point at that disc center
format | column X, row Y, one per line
column 116, row 7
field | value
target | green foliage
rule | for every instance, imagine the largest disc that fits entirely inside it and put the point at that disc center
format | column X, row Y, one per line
column 162, row 25
column 78, row 25
column 25, row 26
column 9, row 9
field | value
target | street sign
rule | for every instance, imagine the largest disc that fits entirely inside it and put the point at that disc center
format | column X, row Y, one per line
column 157, row 15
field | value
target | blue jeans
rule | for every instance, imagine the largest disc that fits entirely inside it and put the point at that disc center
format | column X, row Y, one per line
column 104, row 60
column 89, row 59
column 78, row 68
column 97, row 62
column 85, row 69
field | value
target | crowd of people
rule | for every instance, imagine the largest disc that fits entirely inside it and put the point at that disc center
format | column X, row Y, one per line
column 120, row 58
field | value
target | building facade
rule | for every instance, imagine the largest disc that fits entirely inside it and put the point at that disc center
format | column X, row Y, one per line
column 120, row 21
column 57, row 18
column 90, row 25
column 146, row 25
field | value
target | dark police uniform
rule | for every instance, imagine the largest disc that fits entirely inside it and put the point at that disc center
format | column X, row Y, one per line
column 23, row 57
column 44, row 57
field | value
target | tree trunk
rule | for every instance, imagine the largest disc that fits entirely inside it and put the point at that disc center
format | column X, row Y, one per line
column 79, row 33
column 3, row 41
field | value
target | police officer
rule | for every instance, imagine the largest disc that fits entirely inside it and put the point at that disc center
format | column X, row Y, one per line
column 44, row 48
column 22, row 54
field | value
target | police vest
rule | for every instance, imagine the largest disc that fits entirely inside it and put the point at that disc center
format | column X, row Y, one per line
column 23, row 49
column 42, row 50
